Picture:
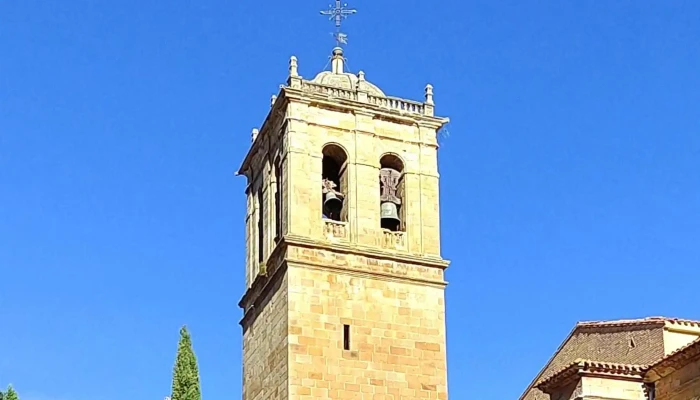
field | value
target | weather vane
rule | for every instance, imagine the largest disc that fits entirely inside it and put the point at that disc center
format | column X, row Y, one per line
column 339, row 13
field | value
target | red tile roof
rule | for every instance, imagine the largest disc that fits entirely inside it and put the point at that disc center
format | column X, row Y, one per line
column 638, row 322
column 579, row 366
column 603, row 325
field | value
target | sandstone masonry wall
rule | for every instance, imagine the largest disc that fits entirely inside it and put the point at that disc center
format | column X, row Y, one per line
column 683, row 384
column 265, row 346
column 397, row 337
column 612, row 388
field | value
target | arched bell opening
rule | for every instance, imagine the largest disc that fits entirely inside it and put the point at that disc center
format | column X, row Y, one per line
column 391, row 198
column 334, row 183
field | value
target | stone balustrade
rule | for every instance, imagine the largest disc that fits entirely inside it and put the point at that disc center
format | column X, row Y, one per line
column 390, row 103
column 394, row 103
column 393, row 240
column 335, row 229
column 329, row 91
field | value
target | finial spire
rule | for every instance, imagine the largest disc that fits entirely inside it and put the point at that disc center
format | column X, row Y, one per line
column 337, row 61
column 338, row 13
column 429, row 94
column 293, row 66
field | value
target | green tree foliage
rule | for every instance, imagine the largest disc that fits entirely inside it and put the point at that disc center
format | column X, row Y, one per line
column 10, row 394
column 186, row 373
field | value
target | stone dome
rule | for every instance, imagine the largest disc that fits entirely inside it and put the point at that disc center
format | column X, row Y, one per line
column 338, row 78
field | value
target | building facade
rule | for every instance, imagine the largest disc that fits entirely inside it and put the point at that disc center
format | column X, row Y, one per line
column 644, row 359
column 345, row 279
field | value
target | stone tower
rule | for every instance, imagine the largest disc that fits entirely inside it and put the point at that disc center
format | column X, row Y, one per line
column 345, row 281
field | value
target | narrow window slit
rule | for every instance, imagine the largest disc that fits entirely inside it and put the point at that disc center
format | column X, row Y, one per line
column 346, row 337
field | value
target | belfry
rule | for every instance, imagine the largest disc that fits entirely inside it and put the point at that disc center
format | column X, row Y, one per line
column 345, row 279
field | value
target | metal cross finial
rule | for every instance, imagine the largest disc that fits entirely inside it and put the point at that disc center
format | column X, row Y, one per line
column 338, row 14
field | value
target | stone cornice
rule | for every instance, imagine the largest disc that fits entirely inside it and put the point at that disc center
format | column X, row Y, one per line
column 362, row 273
column 276, row 112
column 367, row 251
column 269, row 273
column 363, row 132
column 288, row 94
column 365, row 108
column 278, row 262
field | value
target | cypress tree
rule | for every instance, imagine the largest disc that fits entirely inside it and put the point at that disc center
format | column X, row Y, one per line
column 10, row 394
column 185, row 373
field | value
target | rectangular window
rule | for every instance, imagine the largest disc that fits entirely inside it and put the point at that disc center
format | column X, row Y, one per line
column 346, row 337
column 261, row 226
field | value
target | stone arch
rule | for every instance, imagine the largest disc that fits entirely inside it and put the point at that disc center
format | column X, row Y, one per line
column 392, row 160
column 334, row 182
column 391, row 192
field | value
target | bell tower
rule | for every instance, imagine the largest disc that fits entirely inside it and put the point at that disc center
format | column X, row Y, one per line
column 345, row 280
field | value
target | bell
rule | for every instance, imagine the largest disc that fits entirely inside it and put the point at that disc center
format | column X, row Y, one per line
column 332, row 206
column 390, row 216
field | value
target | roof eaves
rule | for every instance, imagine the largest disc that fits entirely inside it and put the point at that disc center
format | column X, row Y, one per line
column 676, row 359
column 654, row 321
column 683, row 322
column 539, row 374
column 639, row 322
column 588, row 366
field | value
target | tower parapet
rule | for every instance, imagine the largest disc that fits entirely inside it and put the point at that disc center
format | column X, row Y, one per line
column 342, row 85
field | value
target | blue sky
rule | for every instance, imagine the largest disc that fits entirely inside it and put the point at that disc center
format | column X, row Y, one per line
column 570, row 184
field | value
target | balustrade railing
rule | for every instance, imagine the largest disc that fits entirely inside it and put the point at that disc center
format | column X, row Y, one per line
column 335, row 229
column 394, row 103
column 393, row 240
column 329, row 91
column 391, row 103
